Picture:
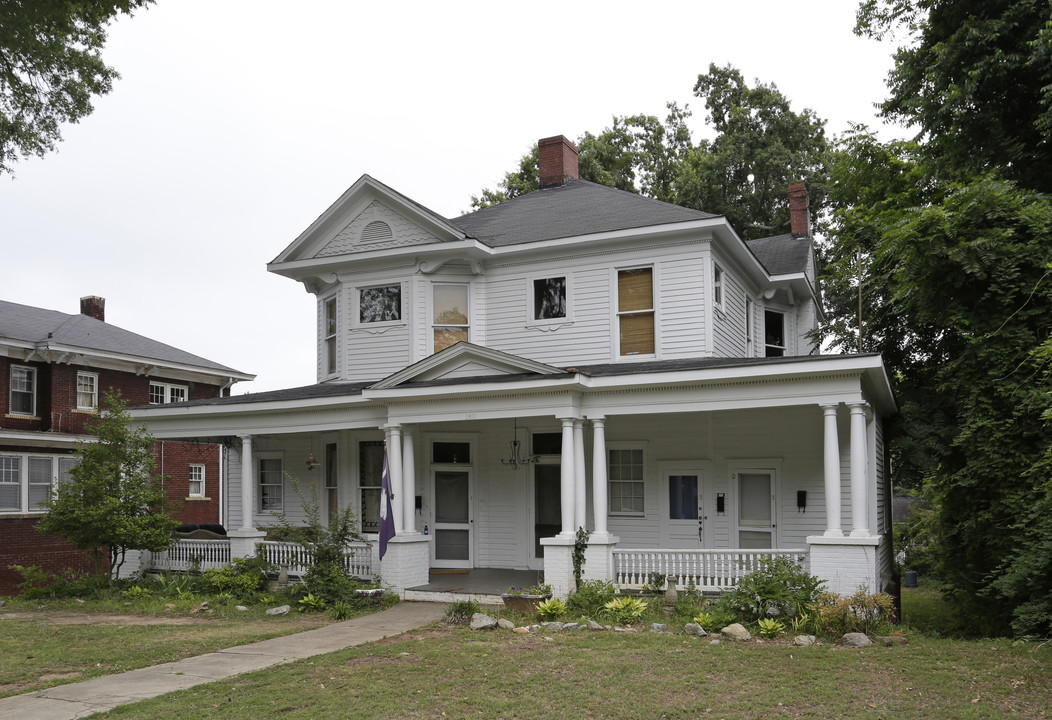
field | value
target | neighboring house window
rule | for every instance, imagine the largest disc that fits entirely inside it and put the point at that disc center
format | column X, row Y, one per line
column 27, row 480
column 330, row 336
column 635, row 311
column 370, row 478
column 23, row 390
column 271, row 487
column 717, row 286
column 549, row 298
column 380, row 304
column 774, row 333
column 197, row 481
column 451, row 315
column 87, row 391
column 626, row 481
column 163, row 393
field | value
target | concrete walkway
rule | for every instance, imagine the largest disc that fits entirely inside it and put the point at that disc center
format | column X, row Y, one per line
column 77, row 700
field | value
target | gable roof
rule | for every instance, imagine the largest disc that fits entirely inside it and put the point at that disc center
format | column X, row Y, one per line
column 34, row 327
column 782, row 254
column 575, row 207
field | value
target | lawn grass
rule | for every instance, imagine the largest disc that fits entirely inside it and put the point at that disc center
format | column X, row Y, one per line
column 453, row 672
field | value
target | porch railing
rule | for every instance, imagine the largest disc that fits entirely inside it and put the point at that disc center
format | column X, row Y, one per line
column 296, row 559
column 708, row 569
column 186, row 554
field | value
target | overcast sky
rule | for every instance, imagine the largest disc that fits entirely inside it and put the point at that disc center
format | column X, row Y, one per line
column 237, row 122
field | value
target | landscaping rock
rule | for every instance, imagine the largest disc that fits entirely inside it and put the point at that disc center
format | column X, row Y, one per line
column 890, row 640
column 240, row 608
column 506, row 624
column 593, row 625
column 805, row 640
column 481, row 621
column 552, row 626
column 856, row 640
column 280, row 610
column 715, row 641
column 571, row 626
column 657, row 627
column 522, row 630
column 735, row 631
column 694, row 629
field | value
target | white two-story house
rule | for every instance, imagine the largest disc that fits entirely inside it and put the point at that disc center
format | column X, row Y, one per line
column 577, row 357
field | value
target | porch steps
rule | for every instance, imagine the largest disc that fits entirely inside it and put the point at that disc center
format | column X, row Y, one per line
column 451, row 597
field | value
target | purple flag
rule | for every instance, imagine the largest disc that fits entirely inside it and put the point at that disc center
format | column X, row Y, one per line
column 387, row 525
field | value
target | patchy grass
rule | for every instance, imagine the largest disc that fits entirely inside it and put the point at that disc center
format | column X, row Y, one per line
column 444, row 671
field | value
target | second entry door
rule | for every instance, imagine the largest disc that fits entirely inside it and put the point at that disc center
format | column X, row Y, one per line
column 451, row 547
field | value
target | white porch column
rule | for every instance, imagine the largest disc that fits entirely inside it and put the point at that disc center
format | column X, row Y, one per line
column 408, row 483
column 580, row 487
column 243, row 540
column 600, row 501
column 567, row 480
column 832, row 473
column 394, row 468
column 859, row 466
column 248, row 503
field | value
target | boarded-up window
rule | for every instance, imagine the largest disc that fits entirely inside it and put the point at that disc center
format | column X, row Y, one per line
column 635, row 311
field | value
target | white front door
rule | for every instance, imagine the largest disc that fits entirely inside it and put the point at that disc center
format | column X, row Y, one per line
column 451, row 546
column 684, row 518
column 756, row 511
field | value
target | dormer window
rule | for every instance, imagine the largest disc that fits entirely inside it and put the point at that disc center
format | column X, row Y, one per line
column 549, row 298
column 451, row 314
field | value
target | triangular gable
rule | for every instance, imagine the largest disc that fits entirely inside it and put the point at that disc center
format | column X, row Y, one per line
column 465, row 360
column 339, row 229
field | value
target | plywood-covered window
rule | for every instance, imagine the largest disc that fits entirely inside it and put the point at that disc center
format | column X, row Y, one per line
column 635, row 311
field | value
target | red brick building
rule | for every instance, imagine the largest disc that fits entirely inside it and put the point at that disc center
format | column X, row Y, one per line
column 54, row 370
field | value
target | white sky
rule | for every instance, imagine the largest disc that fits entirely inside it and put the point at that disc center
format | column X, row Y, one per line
column 237, row 122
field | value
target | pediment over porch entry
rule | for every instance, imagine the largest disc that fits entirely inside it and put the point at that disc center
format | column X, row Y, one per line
column 466, row 360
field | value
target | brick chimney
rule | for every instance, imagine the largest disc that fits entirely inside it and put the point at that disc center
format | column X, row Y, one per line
column 93, row 306
column 799, row 218
column 556, row 160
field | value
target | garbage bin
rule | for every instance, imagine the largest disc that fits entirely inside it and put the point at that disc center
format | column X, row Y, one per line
column 911, row 578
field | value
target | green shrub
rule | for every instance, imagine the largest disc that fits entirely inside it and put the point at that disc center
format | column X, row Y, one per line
column 243, row 578
column 779, row 587
column 38, row 583
column 137, row 592
column 625, row 610
column 770, row 628
column 551, row 609
column 460, row 611
column 311, row 603
column 590, row 598
column 341, row 611
column 862, row 612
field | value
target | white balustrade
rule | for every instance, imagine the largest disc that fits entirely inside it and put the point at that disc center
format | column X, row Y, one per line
column 186, row 554
column 707, row 569
column 297, row 559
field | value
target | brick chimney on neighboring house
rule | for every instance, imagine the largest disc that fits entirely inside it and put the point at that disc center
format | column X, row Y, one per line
column 556, row 160
column 799, row 218
column 93, row 306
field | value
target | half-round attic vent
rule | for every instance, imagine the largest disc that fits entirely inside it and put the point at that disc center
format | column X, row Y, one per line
column 376, row 231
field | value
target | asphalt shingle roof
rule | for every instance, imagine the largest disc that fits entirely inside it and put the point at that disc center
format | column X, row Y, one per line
column 38, row 325
column 576, row 207
column 782, row 254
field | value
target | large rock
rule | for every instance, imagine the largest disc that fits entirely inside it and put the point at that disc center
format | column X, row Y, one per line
column 593, row 625
column 552, row 626
column 856, row 640
column 506, row 624
column 694, row 629
column 735, row 631
column 805, row 640
column 280, row 610
column 890, row 640
column 481, row 621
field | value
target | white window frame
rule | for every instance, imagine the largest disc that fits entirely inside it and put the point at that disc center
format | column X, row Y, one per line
column 331, row 362
column 93, row 405
column 31, row 377
column 642, row 482
column 12, row 466
column 742, row 466
column 24, row 483
column 431, row 311
column 168, row 389
column 356, row 318
column 531, row 300
column 718, row 287
column 654, row 310
column 750, row 323
column 280, row 484
column 785, row 332
column 191, row 480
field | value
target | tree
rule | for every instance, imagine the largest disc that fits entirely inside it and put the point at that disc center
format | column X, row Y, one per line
column 113, row 499
column 50, row 68
column 976, row 79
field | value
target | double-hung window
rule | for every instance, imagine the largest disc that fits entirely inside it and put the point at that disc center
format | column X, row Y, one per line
column 774, row 333
column 162, row 393
column 626, row 481
column 452, row 315
column 717, row 286
column 271, row 485
column 635, row 311
column 26, row 480
column 87, row 391
column 330, row 336
column 23, row 399
column 370, row 482
column 197, row 481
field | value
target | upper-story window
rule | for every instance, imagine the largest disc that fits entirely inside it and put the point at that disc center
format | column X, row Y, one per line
column 330, row 336
column 87, row 391
column 451, row 314
column 774, row 333
column 635, row 311
column 750, row 310
column 162, row 393
column 717, row 286
column 380, row 304
column 549, row 298
column 23, row 390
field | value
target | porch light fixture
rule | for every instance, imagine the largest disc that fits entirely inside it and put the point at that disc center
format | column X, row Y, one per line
column 516, row 458
column 312, row 462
